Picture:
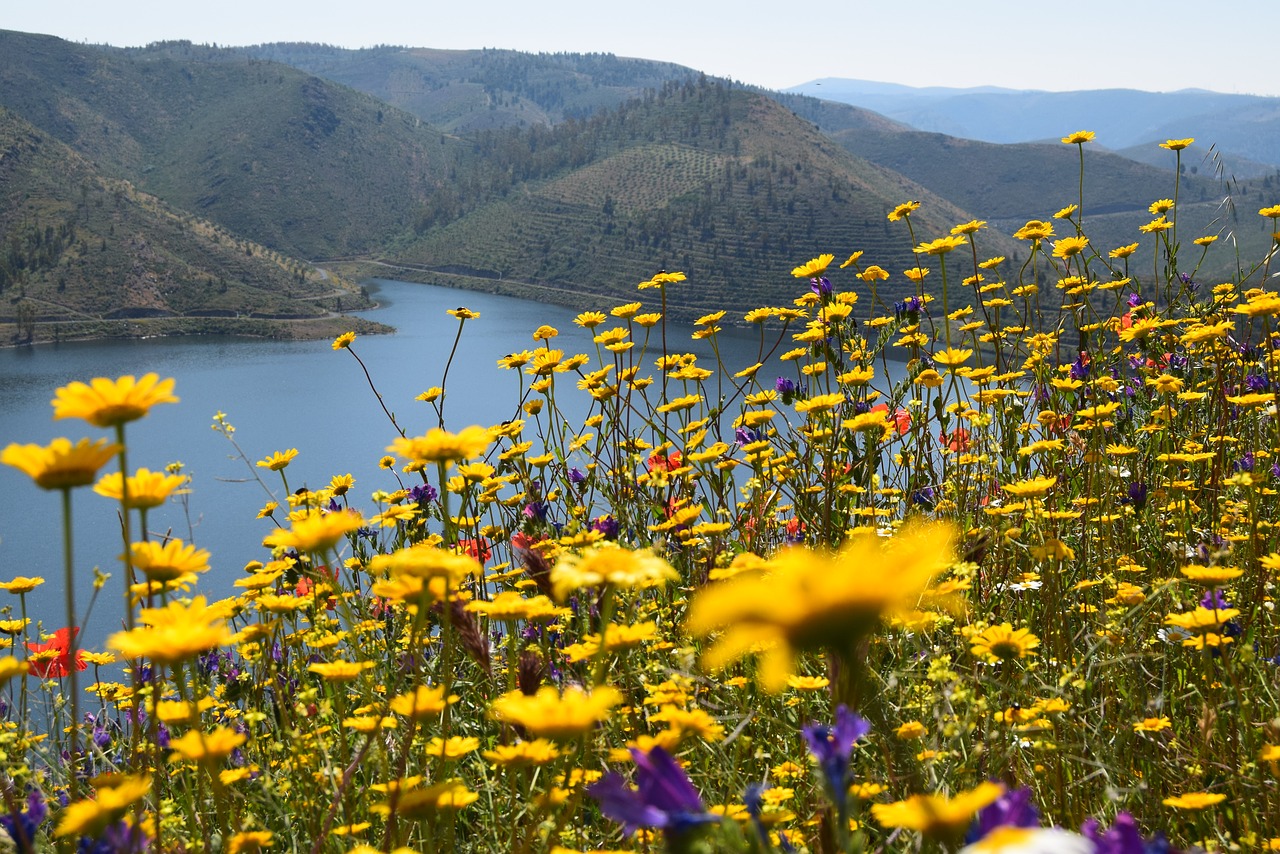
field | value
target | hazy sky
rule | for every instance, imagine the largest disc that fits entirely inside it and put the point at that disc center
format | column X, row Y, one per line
column 1082, row 44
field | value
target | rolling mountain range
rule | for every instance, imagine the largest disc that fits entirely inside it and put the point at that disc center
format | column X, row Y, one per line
column 1243, row 129
column 565, row 177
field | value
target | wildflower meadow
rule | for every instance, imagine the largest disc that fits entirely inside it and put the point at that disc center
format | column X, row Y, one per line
column 1020, row 600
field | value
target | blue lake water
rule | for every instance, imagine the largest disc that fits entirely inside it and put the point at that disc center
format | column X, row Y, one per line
column 278, row 395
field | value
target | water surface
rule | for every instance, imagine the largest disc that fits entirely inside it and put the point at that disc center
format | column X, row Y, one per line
column 278, row 395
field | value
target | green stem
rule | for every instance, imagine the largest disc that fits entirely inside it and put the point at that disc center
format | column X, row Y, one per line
column 128, row 532
column 1080, row 210
column 445, row 376
column 68, row 568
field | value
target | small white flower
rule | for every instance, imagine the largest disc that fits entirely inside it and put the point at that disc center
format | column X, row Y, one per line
column 1173, row 634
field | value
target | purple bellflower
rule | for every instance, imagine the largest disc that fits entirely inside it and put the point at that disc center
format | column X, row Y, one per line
column 832, row 746
column 1012, row 809
column 116, row 838
column 787, row 388
column 606, row 525
column 664, row 797
column 22, row 826
column 1123, row 837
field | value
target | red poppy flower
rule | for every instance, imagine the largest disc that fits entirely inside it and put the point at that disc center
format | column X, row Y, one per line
column 901, row 417
column 478, row 549
column 658, row 462
column 59, row 664
column 305, row 587
column 958, row 441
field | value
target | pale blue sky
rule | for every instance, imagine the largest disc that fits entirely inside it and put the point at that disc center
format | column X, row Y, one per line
column 1227, row 46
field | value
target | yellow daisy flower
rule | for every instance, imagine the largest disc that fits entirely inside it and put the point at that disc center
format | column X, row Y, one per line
column 110, row 403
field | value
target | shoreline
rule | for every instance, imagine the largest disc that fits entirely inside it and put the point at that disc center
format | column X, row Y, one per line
column 77, row 331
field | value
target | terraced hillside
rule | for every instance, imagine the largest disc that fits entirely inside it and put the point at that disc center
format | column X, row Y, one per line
column 721, row 183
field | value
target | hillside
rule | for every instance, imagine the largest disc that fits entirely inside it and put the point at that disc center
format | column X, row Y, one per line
column 298, row 163
column 87, row 255
column 1205, row 160
column 1024, row 180
column 721, row 183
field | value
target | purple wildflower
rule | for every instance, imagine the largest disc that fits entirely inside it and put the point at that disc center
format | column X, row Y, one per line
column 663, row 798
column 424, row 494
column 1123, row 837
column 22, row 826
column 1080, row 367
column 832, row 746
column 116, row 838
column 787, row 388
column 1214, row 600
column 606, row 525
column 1012, row 809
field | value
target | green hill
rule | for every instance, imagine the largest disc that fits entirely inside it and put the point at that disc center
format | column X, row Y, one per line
column 86, row 256
column 527, row 194
column 719, row 182
column 297, row 163
column 1020, row 180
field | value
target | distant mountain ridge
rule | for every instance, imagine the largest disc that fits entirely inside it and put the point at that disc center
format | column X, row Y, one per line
column 1246, row 126
column 468, row 90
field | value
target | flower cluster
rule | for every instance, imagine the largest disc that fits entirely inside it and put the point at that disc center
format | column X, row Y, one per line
column 982, row 521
